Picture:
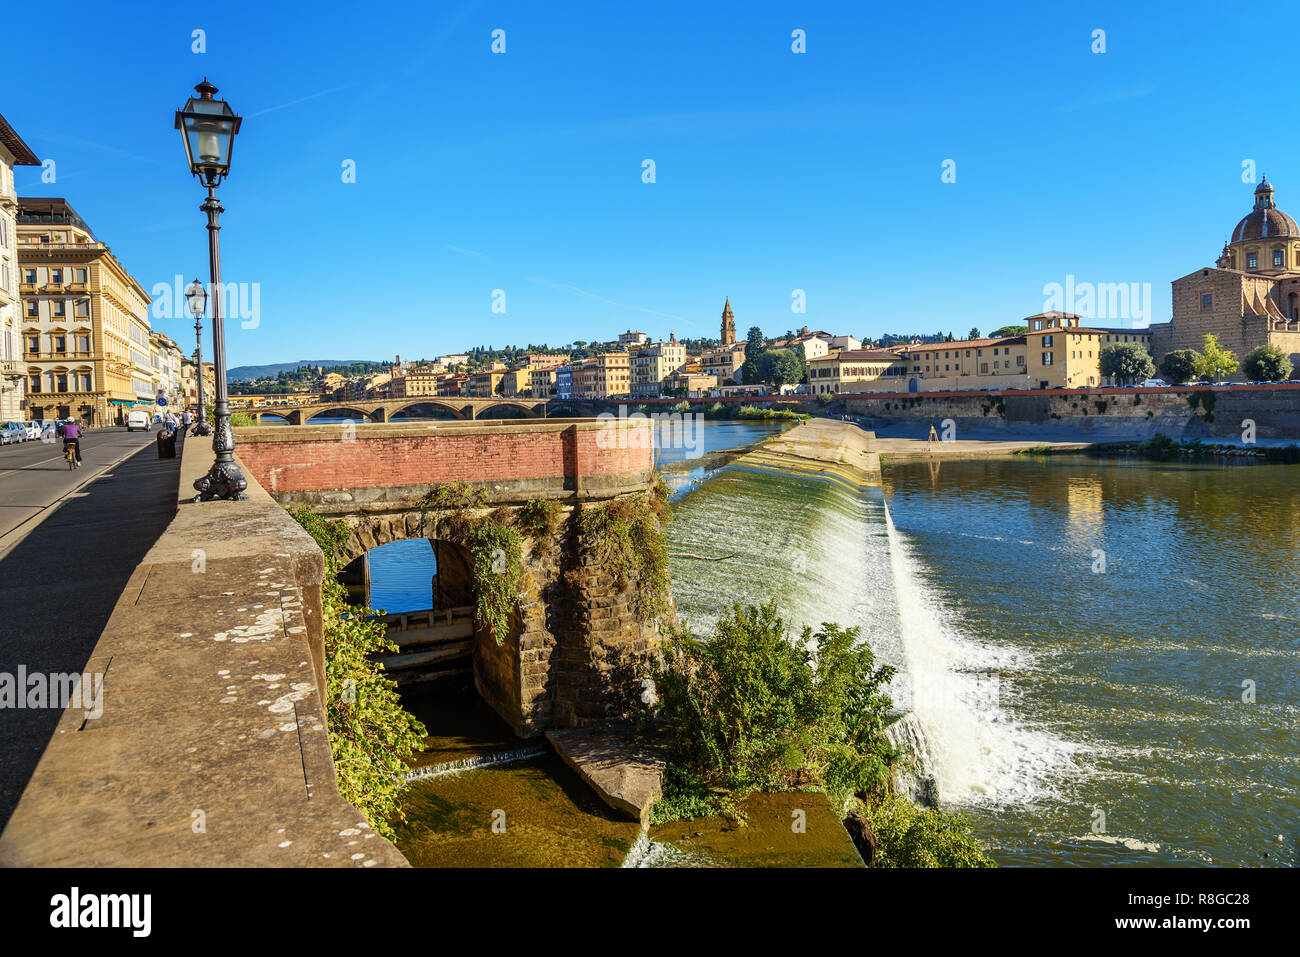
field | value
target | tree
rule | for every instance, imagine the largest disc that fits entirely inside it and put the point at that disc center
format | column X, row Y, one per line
column 1126, row 363
column 1266, row 363
column 1178, row 366
column 778, row 367
column 1215, row 361
column 1007, row 331
column 755, row 344
column 974, row 334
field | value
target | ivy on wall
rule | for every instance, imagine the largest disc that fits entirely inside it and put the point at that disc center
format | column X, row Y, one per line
column 371, row 734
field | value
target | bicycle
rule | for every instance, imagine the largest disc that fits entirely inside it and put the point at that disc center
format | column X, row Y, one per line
column 70, row 453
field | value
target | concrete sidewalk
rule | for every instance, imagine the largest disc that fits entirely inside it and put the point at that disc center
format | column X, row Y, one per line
column 59, row 585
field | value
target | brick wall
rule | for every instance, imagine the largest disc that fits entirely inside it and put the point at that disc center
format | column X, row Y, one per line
column 323, row 458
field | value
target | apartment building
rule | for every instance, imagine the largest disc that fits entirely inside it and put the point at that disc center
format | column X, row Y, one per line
column 855, row 370
column 13, row 371
column 85, row 320
column 651, row 364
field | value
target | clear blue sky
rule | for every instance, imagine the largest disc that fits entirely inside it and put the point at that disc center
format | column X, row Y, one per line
column 775, row 171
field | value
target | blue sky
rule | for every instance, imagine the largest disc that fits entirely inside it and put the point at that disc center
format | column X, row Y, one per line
column 775, row 171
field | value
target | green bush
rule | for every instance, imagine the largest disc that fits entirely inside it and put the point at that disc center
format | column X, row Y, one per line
column 371, row 734
column 912, row 836
column 755, row 711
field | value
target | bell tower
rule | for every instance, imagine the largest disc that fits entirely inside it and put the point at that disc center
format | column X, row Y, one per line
column 728, row 324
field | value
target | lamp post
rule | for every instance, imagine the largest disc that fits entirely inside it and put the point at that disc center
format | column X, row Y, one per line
column 208, row 127
column 196, row 298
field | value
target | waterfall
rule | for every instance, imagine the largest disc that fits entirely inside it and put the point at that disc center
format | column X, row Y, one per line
column 915, row 781
column 482, row 761
column 963, row 740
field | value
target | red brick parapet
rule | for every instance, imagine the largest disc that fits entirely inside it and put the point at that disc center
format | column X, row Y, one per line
column 513, row 460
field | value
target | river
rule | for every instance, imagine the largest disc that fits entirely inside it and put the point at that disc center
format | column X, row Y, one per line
column 1101, row 654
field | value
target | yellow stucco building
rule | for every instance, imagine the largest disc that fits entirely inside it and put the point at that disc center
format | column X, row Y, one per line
column 85, row 320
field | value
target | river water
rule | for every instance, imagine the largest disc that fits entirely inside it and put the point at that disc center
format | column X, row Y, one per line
column 1100, row 655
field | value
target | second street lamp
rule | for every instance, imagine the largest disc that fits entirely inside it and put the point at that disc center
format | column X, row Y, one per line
column 208, row 127
column 197, row 297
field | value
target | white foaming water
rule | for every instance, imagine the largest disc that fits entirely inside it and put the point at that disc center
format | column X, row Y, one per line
column 979, row 754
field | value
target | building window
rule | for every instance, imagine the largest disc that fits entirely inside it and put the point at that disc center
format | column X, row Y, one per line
column 33, row 308
column 83, row 343
column 81, row 308
column 1252, row 261
column 56, row 275
column 34, row 385
column 29, row 275
column 60, row 344
column 1047, row 343
column 81, row 275
column 57, row 307
column 1207, row 301
column 1047, row 359
column 1277, row 257
column 1020, row 360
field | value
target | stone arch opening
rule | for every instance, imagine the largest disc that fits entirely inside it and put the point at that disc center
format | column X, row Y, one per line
column 505, row 411
column 424, row 410
column 276, row 418
column 338, row 412
column 450, row 668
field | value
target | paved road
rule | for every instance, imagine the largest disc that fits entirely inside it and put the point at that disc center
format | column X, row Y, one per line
column 68, row 543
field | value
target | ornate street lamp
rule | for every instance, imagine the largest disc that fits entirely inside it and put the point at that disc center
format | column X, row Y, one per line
column 196, row 298
column 208, row 127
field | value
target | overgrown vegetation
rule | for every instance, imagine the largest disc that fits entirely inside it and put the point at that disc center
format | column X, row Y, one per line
column 755, row 412
column 371, row 734
column 539, row 517
column 626, row 538
column 912, row 836
column 755, row 711
column 496, row 558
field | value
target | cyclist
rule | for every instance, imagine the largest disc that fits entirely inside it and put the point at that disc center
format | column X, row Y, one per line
column 72, row 434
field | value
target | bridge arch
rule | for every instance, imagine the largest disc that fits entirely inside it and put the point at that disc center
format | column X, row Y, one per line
column 507, row 410
column 402, row 411
column 338, row 411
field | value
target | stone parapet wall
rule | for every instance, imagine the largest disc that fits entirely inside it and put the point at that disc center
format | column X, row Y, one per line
column 395, row 464
column 212, row 748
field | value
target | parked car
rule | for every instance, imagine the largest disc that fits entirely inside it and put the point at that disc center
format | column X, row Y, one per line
column 1155, row 384
column 138, row 419
column 12, row 433
column 33, row 430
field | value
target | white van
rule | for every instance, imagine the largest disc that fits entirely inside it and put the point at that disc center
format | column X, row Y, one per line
column 137, row 419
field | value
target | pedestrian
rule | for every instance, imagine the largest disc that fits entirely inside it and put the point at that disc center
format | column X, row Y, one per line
column 934, row 436
column 186, row 419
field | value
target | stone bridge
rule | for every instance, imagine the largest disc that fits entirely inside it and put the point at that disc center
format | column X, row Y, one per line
column 576, row 641
column 382, row 410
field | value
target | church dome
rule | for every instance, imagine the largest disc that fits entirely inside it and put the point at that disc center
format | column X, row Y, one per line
column 1265, row 221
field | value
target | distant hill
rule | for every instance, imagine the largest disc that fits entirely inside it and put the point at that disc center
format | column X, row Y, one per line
column 250, row 373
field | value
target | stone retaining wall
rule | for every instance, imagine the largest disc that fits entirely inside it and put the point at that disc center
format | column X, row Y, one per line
column 212, row 748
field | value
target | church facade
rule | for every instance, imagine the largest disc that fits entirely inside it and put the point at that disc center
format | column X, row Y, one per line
column 1251, row 297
